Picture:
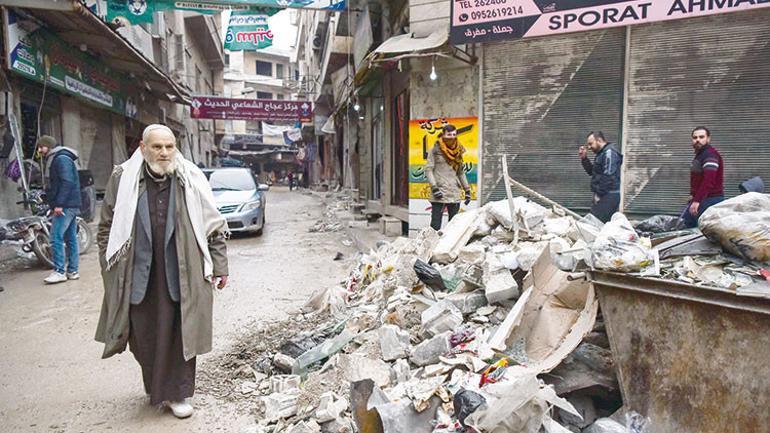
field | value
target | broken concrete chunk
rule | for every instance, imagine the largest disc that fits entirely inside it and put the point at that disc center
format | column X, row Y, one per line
column 455, row 236
column 394, row 343
column 468, row 303
column 283, row 362
column 284, row 382
column 280, row 406
column 356, row 367
column 339, row 425
column 429, row 351
column 440, row 317
column 605, row 425
column 305, row 427
column 499, row 284
column 330, row 407
column 400, row 371
column 472, row 254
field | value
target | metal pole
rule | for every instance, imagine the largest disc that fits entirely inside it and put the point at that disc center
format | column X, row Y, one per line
column 511, row 204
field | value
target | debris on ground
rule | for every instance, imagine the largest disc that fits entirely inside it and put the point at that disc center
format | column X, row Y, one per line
column 474, row 330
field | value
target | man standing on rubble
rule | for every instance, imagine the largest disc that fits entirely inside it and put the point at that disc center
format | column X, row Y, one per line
column 706, row 177
column 605, row 175
column 162, row 250
column 446, row 176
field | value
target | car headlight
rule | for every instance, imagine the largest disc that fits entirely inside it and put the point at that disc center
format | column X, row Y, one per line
column 251, row 206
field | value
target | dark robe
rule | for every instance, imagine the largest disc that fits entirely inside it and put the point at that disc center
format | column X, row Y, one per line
column 155, row 336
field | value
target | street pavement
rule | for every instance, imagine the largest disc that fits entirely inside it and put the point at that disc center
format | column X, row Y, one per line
column 52, row 378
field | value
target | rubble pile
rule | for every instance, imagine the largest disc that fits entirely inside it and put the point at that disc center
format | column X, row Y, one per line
column 336, row 203
column 474, row 329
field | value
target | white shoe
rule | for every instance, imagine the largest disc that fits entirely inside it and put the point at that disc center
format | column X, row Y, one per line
column 181, row 409
column 73, row 276
column 55, row 277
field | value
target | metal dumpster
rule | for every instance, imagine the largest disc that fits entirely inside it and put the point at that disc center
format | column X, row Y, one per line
column 691, row 359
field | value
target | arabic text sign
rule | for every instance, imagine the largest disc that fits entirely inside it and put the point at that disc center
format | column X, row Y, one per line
column 492, row 20
column 270, row 110
column 248, row 32
column 423, row 135
column 40, row 55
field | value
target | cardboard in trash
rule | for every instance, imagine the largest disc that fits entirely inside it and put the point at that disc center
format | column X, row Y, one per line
column 556, row 317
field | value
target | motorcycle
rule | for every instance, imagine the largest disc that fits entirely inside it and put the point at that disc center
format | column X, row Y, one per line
column 35, row 231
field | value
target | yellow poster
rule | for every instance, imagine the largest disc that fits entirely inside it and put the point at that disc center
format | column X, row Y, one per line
column 423, row 135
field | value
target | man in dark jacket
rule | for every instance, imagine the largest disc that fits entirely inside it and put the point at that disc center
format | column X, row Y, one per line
column 63, row 196
column 605, row 175
column 706, row 177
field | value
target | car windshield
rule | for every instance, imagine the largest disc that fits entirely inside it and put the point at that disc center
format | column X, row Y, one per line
column 231, row 180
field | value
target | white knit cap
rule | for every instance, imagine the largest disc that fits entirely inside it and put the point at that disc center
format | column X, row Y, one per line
column 156, row 127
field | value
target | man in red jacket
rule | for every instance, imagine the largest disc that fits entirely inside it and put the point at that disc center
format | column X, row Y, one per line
column 706, row 176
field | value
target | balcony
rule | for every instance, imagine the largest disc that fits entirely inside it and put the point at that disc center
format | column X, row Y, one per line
column 204, row 31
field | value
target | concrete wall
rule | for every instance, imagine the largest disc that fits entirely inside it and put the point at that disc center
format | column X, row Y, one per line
column 426, row 16
column 455, row 93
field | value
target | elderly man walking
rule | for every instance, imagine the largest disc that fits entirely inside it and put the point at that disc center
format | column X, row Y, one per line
column 162, row 251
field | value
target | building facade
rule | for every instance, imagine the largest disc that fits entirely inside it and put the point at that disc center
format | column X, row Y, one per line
column 94, row 88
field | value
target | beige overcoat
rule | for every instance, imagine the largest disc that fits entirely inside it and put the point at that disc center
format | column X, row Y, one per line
column 196, row 293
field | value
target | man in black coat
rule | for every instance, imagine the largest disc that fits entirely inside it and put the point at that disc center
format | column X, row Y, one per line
column 63, row 195
column 605, row 175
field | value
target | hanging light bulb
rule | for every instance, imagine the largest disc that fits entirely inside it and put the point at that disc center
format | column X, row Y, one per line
column 356, row 106
column 433, row 75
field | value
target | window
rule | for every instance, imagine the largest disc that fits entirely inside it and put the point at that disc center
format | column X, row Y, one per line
column 278, row 70
column 227, row 60
column 231, row 180
column 279, row 97
column 264, row 68
column 264, row 95
column 296, row 74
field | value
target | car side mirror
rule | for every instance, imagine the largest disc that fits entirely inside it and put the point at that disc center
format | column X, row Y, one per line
column 263, row 187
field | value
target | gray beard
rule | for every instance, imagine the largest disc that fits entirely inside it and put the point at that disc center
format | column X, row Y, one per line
column 160, row 169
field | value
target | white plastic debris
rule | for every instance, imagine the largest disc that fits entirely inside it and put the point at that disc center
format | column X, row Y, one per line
column 618, row 248
column 741, row 225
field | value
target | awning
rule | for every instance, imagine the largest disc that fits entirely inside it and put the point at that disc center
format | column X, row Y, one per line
column 75, row 24
column 410, row 43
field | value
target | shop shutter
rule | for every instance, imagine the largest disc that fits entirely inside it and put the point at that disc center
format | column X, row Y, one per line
column 712, row 71
column 541, row 97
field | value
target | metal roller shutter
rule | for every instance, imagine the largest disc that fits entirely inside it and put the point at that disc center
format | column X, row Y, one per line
column 712, row 71
column 541, row 97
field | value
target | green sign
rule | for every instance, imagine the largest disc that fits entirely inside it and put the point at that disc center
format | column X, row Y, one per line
column 128, row 12
column 248, row 32
column 39, row 55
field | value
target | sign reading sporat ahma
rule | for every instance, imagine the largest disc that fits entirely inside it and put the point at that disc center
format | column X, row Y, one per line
column 474, row 21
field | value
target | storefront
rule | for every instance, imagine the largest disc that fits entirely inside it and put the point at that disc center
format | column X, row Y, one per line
column 646, row 86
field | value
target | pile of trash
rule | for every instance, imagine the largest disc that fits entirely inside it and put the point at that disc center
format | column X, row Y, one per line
column 465, row 330
column 489, row 326
column 336, row 203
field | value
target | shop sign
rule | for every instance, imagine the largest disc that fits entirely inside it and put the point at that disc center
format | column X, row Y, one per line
column 127, row 12
column 39, row 55
column 474, row 21
column 423, row 135
column 248, row 32
column 270, row 110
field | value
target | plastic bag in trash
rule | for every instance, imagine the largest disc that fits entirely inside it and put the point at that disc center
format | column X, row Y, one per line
column 429, row 275
column 660, row 224
column 465, row 403
column 618, row 248
column 741, row 225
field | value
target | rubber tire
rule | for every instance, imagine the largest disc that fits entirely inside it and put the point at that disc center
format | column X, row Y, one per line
column 41, row 246
column 85, row 236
